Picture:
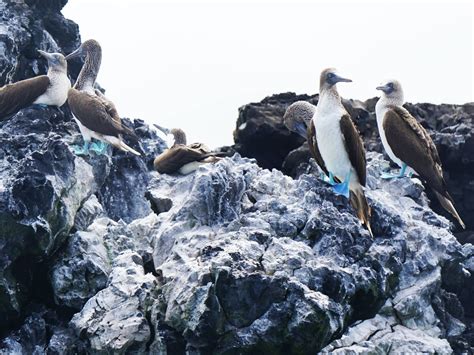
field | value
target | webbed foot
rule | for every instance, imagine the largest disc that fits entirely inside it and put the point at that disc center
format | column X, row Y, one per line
column 343, row 187
column 99, row 147
column 84, row 150
column 401, row 174
column 41, row 105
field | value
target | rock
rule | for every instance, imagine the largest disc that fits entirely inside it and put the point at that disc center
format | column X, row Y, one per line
column 100, row 254
column 259, row 130
column 115, row 319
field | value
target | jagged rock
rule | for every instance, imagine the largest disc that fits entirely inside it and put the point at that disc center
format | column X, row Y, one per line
column 115, row 319
column 28, row 26
column 99, row 254
column 260, row 129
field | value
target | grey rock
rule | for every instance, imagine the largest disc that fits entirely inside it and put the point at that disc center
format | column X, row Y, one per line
column 115, row 319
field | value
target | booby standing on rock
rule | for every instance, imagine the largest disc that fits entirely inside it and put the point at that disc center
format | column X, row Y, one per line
column 409, row 145
column 44, row 90
column 339, row 146
column 96, row 116
column 183, row 158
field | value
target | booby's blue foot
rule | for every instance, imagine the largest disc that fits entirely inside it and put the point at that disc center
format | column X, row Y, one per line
column 84, row 150
column 99, row 147
column 388, row 176
column 343, row 187
column 41, row 105
column 329, row 180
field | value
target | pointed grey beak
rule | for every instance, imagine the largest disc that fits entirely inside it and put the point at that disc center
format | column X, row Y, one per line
column 384, row 88
column 340, row 79
column 45, row 54
column 74, row 54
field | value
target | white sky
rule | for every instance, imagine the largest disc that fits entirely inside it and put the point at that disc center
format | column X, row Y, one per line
column 191, row 65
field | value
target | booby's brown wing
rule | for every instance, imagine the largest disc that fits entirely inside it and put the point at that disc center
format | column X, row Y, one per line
column 411, row 143
column 112, row 111
column 313, row 148
column 92, row 112
column 354, row 147
column 14, row 97
column 171, row 160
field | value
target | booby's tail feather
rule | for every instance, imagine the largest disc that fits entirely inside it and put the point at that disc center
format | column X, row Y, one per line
column 127, row 131
column 359, row 203
column 448, row 205
column 122, row 146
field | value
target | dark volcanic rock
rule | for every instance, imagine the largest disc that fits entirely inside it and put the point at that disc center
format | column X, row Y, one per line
column 450, row 126
column 99, row 254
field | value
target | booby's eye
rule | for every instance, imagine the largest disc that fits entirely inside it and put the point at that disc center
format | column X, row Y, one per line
column 390, row 85
column 330, row 76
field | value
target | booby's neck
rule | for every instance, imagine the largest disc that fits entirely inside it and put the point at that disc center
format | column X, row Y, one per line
column 329, row 97
column 392, row 100
column 90, row 69
column 55, row 71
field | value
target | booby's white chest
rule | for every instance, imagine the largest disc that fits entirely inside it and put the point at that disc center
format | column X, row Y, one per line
column 380, row 110
column 329, row 138
column 56, row 94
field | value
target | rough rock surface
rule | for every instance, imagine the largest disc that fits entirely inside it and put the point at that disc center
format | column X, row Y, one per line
column 260, row 129
column 100, row 254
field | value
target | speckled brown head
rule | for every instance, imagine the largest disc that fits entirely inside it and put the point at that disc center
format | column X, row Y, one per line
column 329, row 78
column 179, row 136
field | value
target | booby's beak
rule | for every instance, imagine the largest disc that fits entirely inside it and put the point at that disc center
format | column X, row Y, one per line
column 74, row 54
column 383, row 88
column 340, row 79
column 45, row 54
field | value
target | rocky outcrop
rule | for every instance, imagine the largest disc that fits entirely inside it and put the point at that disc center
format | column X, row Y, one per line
column 451, row 127
column 100, row 254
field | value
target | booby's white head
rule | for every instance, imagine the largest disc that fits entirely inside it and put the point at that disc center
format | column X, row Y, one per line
column 56, row 61
column 392, row 92
column 329, row 78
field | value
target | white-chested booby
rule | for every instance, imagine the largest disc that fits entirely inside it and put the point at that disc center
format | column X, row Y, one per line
column 298, row 118
column 409, row 145
column 96, row 115
column 339, row 146
column 49, row 90
column 183, row 158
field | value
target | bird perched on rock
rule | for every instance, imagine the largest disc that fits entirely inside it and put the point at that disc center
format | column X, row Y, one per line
column 183, row 158
column 409, row 145
column 338, row 147
column 45, row 90
column 96, row 115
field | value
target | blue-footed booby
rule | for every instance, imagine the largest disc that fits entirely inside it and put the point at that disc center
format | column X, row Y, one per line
column 298, row 118
column 48, row 90
column 339, row 146
column 95, row 115
column 409, row 145
column 183, row 158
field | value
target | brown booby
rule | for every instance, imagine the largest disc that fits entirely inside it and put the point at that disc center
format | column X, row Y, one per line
column 409, row 145
column 183, row 158
column 48, row 90
column 339, row 146
column 96, row 116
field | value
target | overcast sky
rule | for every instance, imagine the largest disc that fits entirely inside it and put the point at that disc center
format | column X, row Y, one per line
column 191, row 65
